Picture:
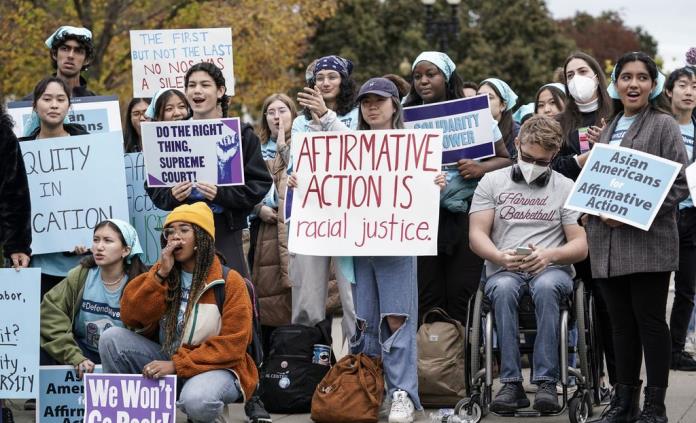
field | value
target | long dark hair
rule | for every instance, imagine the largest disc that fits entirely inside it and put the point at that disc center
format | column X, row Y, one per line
column 345, row 101
column 132, row 269
column 558, row 96
column 454, row 89
column 164, row 98
column 41, row 87
column 638, row 56
column 218, row 78
column 205, row 255
column 506, row 124
column 571, row 118
column 132, row 142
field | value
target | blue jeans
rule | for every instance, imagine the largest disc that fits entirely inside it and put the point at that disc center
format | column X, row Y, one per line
column 202, row 397
column 504, row 289
column 388, row 286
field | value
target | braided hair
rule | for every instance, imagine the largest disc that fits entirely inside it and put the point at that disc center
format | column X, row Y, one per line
column 204, row 257
column 218, row 78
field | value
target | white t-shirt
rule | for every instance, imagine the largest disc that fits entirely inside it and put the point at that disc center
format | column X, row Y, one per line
column 621, row 128
column 524, row 213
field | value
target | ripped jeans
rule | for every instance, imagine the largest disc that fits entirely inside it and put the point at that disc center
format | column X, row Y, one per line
column 388, row 286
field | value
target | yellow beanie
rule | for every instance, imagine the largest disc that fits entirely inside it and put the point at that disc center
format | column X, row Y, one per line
column 197, row 213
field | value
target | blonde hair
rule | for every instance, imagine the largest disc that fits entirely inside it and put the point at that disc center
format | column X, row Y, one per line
column 542, row 130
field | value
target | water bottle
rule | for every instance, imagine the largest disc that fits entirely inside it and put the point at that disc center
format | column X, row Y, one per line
column 444, row 415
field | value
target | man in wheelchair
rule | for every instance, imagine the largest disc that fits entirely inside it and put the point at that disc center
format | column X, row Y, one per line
column 519, row 226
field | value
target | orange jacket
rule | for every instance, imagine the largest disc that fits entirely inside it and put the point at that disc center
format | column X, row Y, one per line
column 209, row 341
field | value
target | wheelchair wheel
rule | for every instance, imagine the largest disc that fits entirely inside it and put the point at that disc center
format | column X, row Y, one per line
column 579, row 299
column 468, row 410
column 475, row 337
column 579, row 408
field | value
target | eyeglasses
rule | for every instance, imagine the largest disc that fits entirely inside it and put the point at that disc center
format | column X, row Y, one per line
column 137, row 114
column 274, row 112
column 182, row 231
column 529, row 159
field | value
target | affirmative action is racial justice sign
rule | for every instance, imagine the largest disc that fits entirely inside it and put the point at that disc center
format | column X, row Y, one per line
column 466, row 123
column 19, row 332
column 624, row 184
column 366, row 193
column 97, row 114
column 193, row 150
column 74, row 183
column 121, row 398
column 161, row 57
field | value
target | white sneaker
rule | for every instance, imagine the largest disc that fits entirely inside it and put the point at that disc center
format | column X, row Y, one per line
column 690, row 345
column 402, row 408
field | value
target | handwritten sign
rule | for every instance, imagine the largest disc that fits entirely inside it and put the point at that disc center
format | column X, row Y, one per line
column 61, row 395
column 624, row 184
column 74, row 183
column 19, row 332
column 115, row 398
column 193, row 150
column 466, row 123
column 161, row 57
column 366, row 192
column 97, row 114
column 144, row 216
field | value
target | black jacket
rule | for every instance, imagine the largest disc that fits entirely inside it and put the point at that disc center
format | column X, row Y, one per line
column 237, row 201
column 565, row 163
column 71, row 128
column 15, row 203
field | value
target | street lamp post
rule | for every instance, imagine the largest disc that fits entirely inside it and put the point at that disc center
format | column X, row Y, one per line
column 441, row 28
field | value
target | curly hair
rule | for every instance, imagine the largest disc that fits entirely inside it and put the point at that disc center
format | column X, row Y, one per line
column 345, row 101
column 84, row 42
column 218, row 78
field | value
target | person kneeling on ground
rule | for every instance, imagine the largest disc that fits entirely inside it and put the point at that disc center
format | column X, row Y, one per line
column 175, row 303
column 502, row 228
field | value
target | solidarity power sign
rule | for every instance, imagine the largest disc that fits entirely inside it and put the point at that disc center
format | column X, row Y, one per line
column 624, row 184
column 74, row 183
column 161, row 57
column 115, row 398
column 19, row 332
column 366, row 193
column 193, row 150
column 467, row 125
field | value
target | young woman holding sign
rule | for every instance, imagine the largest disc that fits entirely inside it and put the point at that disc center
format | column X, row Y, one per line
column 201, row 342
column 680, row 91
column 205, row 91
column 50, row 107
column 635, row 265
column 449, row 279
column 70, row 330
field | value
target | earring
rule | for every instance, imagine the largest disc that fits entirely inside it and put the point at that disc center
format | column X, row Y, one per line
column 195, row 248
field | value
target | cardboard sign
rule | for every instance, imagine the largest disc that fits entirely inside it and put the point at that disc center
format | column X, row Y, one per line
column 19, row 332
column 145, row 217
column 161, row 57
column 366, row 193
column 61, row 395
column 98, row 114
column 74, row 183
column 193, row 150
column 114, row 398
column 466, row 123
column 624, row 184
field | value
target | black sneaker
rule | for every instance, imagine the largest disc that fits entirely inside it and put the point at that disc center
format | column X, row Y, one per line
column 546, row 398
column 256, row 412
column 683, row 361
column 7, row 416
column 509, row 398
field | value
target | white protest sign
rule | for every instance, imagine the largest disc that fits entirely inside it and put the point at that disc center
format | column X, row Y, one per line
column 193, row 150
column 161, row 57
column 366, row 193
column 97, row 114
column 75, row 183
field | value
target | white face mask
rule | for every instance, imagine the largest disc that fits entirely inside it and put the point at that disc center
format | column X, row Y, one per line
column 531, row 171
column 582, row 88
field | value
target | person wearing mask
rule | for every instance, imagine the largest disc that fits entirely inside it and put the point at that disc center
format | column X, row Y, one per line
column 449, row 279
column 174, row 303
column 502, row 99
column 50, row 107
column 635, row 265
column 135, row 114
column 680, row 93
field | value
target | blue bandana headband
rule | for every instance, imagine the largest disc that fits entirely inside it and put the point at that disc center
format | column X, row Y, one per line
column 524, row 110
column 72, row 30
column 506, row 93
column 150, row 112
column 131, row 238
column 441, row 60
column 659, row 86
column 335, row 63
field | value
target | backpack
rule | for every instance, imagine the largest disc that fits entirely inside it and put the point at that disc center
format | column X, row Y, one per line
column 255, row 348
column 288, row 376
column 441, row 360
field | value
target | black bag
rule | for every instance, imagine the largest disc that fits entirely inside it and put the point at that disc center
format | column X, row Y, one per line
column 288, row 376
